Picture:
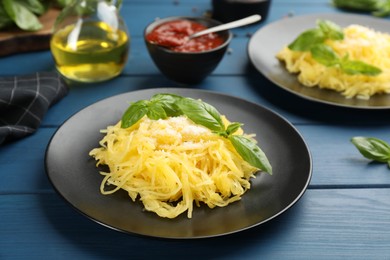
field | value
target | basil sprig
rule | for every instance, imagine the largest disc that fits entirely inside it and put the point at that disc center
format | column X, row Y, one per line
column 325, row 30
column 24, row 14
column 326, row 56
column 201, row 113
column 373, row 148
column 379, row 8
column 313, row 40
column 162, row 106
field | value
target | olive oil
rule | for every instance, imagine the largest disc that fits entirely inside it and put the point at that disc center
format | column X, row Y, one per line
column 90, row 51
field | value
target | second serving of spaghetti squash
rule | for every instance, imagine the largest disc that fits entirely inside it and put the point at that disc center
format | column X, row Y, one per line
column 354, row 60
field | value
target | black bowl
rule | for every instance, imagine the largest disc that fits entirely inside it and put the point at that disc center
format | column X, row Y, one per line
column 187, row 67
column 230, row 10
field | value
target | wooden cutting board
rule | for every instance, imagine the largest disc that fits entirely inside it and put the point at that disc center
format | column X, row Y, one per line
column 17, row 41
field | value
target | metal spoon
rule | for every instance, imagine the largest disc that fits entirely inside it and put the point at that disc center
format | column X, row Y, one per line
column 173, row 42
column 227, row 26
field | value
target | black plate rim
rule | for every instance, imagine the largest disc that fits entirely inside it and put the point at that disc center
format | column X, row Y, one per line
column 174, row 90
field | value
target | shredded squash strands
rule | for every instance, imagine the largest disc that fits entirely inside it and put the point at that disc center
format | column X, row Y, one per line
column 360, row 43
column 172, row 164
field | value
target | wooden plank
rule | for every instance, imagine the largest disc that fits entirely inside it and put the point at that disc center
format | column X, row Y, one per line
column 234, row 62
column 26, row 63
column 22, row 163
column 325, row 224
column 336, row 162
column 18, row 41
column 253, row 88
column 137, row 19
column 139, row 62
column 344, row 214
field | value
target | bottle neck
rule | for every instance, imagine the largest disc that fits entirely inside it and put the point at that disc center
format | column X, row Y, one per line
column 86, row 3
column 117, row 3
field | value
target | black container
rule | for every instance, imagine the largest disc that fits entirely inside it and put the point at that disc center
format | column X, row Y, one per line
column 230, row 10
column 188, row 67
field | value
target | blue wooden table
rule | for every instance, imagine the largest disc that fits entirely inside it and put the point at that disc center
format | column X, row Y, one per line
column 344, row 214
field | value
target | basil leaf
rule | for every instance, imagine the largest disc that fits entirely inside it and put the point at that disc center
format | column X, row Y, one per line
column 201, row 113
column 35, row 6
column 307, row 39
column 23, row 17
column 156, row 111
column 232, row 128
column 63, row 3
column 359, row 5
column 134, row 113
column 331, row 30
column 5, row 20
column 383, row 9
column 250, row 152
column 168, row 103
column 359, row 67
column 310, row 38
column 372, row 148
column 325, row 55
column 378, row 8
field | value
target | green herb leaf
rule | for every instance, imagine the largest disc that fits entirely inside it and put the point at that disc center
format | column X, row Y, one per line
column 307, row 39
column 134, row 113
column 5, row 20
column 380, row 8
column 383, row 9
column 331, row 30
column 360, row 5
column 156, row 111
column 63, row 3
column 232, row 128
column 373, row 148
column 168, row 103
column 359, row 67
column 201, row 113
column 325, row 55
column 22, row 16
column 35, row 6
column 312, row 37
column 250, row 152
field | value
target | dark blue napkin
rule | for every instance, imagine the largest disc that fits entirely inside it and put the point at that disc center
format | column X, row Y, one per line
column 24, row 100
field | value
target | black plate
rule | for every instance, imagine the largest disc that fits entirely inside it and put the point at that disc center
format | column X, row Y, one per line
column 270, row 39
column 75, row 177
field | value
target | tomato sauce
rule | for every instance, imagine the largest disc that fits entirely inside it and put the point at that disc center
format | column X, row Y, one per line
column 174, row 36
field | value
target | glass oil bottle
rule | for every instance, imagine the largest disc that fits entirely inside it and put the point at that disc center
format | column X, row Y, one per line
column 90, row 41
